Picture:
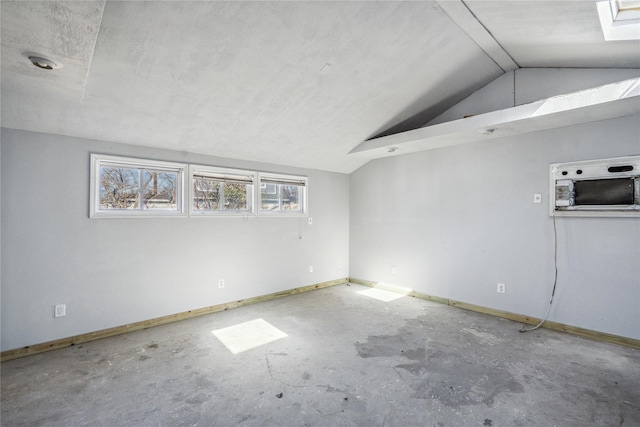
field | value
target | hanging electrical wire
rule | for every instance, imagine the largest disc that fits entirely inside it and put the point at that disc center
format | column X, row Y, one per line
column 555, row 279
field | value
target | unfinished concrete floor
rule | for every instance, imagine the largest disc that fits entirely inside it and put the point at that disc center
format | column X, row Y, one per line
column 347, row 360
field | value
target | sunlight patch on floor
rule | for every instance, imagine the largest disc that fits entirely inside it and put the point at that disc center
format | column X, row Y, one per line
column 248, row 335
column 384, row 295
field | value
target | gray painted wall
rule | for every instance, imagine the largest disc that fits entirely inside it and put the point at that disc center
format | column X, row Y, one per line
column 453, row 222
column 111, row 272
column 456, row 221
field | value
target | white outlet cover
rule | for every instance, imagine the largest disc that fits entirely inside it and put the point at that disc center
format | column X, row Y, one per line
column 537, row 198
column 311, row 269
column 501, row 288
column 221, row 283
column 60, row 310
column 310, row 220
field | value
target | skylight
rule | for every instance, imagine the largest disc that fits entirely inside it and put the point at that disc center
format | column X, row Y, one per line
column 620, row 19
column 628, row 5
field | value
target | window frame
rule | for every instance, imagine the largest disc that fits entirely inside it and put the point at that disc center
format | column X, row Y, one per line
column 618, row 21
column 214, row 170
column 102, row 160
column 284, row 179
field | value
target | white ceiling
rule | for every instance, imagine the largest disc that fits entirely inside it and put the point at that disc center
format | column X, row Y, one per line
column 295, row 83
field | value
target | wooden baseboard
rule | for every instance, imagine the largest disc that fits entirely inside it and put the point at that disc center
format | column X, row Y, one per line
column 574, row 330
column 145, row 324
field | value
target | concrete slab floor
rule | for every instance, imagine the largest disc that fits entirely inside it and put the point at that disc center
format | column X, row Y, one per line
column 347, row 360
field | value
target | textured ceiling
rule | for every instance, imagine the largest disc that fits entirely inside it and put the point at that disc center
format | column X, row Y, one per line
column 551, row 34
column 295, row 83
column 64, row 31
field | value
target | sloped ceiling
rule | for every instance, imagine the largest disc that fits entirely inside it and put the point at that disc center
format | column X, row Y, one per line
column 554, row 34
column 295, row 83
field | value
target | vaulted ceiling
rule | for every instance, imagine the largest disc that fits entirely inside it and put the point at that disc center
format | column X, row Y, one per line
column 295, row 83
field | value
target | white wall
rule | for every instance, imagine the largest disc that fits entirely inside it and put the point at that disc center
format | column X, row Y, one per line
column 111, row 272
column 456, row 221
column 453, row 221
column 527, row 85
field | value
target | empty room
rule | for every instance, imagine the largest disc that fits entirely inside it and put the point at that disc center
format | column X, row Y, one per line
column 320, row 213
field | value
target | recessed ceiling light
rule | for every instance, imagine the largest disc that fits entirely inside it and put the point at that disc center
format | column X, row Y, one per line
column 42, row 62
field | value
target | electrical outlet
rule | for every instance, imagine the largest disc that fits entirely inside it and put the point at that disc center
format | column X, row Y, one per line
column 537, row 198
column 501, row 288
column 310, row 220
column 60, row 310
column 221, row 283
column 311, row 269
column 393, row 271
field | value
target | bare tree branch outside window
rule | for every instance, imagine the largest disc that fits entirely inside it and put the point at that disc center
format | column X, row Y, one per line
column 235, row 196
column 132, row 187
column 211, row 194
column 120, row 188
column 206, row 194
column 159, row 189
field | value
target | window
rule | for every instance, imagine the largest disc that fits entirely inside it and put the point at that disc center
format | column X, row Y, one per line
column 217, row 191
column 129, row 187
column 620, row 19
column 283, row 194
column 123, row 186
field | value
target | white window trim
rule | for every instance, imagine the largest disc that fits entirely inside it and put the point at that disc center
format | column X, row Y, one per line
column 278, row 176
column 195, row 169
column 618, row 23
column 97, row 160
